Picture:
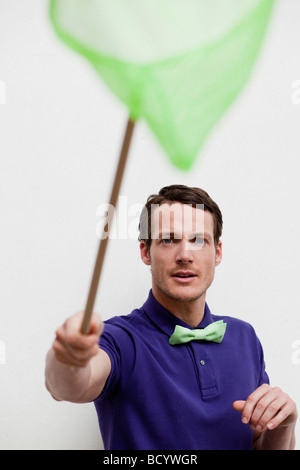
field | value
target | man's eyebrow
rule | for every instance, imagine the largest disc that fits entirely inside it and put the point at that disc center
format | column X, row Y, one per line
column 202, row 234
column 169, row 234
column 178, row 235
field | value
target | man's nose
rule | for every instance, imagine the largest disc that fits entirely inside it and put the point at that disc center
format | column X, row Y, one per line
column 184, row 252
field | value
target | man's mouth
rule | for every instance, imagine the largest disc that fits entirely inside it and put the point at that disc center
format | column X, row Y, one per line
column 184, row 274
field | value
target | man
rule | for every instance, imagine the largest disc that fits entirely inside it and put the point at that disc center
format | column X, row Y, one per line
column 154, row 385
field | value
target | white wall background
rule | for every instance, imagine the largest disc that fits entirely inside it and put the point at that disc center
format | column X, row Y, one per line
column 60, row 134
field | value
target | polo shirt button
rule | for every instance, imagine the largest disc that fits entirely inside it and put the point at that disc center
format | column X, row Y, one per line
column 202, row 362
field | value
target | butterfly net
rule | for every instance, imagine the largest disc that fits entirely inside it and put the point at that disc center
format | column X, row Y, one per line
column 176, row 64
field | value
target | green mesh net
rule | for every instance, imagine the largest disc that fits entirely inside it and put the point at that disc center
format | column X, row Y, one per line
column 177, row 64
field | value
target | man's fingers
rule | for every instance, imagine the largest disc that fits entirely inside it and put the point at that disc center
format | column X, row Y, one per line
column 281, row 416
column 266, row 408
column 69, row 333
column 97, row 326
column 73, row 347
column 75, row 340
column 247, row 407
column 239, row 405
column 252, row 402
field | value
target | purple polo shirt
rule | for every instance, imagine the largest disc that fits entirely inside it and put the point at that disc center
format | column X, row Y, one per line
column 163, row 397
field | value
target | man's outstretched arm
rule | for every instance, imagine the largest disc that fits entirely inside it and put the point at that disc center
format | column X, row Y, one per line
column 76, row 368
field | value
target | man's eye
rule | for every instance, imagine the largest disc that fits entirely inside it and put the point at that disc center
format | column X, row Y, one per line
column 200, row 241
column 167, row 241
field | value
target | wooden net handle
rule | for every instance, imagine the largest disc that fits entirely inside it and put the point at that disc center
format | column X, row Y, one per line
column 85, row 325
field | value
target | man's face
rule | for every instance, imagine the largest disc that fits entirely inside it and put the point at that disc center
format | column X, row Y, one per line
column 182, row 254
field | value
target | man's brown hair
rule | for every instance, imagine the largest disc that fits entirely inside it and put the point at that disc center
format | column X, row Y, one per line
column 184, row 195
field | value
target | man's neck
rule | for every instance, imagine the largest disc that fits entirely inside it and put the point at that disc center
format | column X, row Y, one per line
column 190, row 312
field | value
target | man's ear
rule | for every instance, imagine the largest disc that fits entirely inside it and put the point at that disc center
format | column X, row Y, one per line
column 145, row 254
column 218, row 254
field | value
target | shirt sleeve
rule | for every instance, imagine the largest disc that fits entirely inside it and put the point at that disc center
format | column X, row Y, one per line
column 263, row 376
column 108, row 344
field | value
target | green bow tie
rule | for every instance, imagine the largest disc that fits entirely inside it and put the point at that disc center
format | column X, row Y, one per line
column 213, row 332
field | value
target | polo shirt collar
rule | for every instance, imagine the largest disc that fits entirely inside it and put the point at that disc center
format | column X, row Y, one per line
column 165, row 320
